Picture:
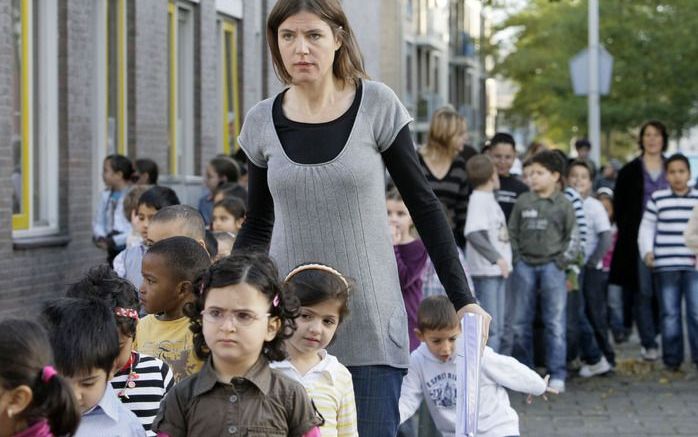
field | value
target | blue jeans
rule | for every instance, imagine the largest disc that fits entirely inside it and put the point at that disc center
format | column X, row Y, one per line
column 490, row 291
column 507, row 338
column 377, row 396
column 593, row 320
column 550, row 281
column 672, row 286
column 615, row 308
column 644, row 315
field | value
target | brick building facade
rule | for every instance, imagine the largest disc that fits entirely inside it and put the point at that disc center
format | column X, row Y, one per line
column 168, row 80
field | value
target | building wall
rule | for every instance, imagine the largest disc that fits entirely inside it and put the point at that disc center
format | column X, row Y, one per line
column 33, row 270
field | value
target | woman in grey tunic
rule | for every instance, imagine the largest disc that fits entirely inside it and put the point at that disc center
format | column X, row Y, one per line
column 317, row 154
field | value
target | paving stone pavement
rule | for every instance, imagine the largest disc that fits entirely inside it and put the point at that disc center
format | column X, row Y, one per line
column 638, row 399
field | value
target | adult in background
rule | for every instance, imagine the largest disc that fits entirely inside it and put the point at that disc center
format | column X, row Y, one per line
column 583, row 148
column 444, row 166
column 502, row 151
column 317, row 153
column 636, row 182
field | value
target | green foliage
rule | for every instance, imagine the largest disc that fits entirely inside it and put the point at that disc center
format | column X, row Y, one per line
column 655, row 55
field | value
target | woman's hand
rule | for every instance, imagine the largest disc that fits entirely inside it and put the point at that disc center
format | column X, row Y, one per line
column 474, row 308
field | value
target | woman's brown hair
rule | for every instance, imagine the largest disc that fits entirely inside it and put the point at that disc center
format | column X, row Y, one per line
column 445, row 125
column 348, row 62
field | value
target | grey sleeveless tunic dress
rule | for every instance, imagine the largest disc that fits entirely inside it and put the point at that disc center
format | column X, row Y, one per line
column 335, row 213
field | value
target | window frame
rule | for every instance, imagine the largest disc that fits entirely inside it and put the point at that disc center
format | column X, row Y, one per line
column 229, row 29
column 44, row 81
column 122, row 77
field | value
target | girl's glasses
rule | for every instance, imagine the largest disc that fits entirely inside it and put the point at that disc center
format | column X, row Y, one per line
column 238, row 317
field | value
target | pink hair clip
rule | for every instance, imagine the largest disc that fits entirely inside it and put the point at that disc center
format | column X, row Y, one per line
column 201, row 289
column 126, row 312
column 275, row 302
column 47, row 373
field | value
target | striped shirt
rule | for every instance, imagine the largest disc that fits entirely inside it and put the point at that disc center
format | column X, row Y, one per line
column 152, row 379
column 452, row 192
column 661, row 230
column 579, row 215
column 330, row 386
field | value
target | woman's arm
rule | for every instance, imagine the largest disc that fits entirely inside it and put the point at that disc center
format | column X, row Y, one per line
column 427, row 214
column 256, row 231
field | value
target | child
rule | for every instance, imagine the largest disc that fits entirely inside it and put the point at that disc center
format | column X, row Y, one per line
column 134, row 238
column 488, row 250
column 503, row 153
column 614, row 291
column 324, row 294
column 225, row 241
column 672, row 263
column 145, row 172
column 540, row 228
column 240, row 319
column 142, row 380
column 128, row 263
column 110, row 226
column 219, row 170
column 432, row 376
column 176, row 221
column 411, row 257
column 84, row 338
column 596, row 349
column 34, row 400
column 228, row 215
column 230, row 189
column 169, row 269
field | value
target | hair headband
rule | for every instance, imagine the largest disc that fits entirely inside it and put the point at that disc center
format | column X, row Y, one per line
column 47, row 374
column 126, row 312
column 316, row 267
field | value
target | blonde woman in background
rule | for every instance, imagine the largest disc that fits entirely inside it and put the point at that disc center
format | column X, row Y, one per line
column 444, row 167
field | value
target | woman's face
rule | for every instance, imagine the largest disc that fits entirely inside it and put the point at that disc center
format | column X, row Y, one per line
column 307, row 45
column 652, row 140
column 458, row 142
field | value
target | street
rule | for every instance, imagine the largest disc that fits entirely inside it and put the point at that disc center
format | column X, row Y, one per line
column 639, row 399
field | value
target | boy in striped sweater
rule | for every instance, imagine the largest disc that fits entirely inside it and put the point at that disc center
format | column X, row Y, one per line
column 142, row 380
column 663, row 249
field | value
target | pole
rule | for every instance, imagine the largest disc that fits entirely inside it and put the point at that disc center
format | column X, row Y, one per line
column 594, row 101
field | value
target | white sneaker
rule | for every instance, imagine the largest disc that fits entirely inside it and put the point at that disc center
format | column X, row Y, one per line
column 557, row 384
column 650, row 354
column 589, row 370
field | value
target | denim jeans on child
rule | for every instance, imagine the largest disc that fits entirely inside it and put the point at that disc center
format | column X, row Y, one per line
column 593, row 327
column 644, row 314
column 377, row 396
column 615, row 308
column 491, row 292
column 550, row 281
column 672, row 286
column 507, row 339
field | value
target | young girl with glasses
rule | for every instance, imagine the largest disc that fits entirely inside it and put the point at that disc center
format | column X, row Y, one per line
column 240, row 320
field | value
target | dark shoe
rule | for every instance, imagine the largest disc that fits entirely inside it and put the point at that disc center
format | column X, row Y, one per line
column 619, row 337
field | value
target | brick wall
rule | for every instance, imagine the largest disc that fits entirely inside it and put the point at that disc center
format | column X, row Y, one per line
column 30, row 276
column 148, row 106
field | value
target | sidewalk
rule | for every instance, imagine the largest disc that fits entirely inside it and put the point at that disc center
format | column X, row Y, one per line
column 639, row 399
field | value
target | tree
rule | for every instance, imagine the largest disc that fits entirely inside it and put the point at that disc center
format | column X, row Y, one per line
column 655, row 60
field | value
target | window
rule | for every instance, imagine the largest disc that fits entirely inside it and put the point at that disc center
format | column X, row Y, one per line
column 34, row 122
column 230, row 101
column 116, row 127
column 180, row 31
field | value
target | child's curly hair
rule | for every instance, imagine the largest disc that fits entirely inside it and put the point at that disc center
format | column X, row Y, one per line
column 258, row 271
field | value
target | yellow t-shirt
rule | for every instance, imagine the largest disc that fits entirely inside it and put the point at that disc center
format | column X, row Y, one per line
column 171, row 341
